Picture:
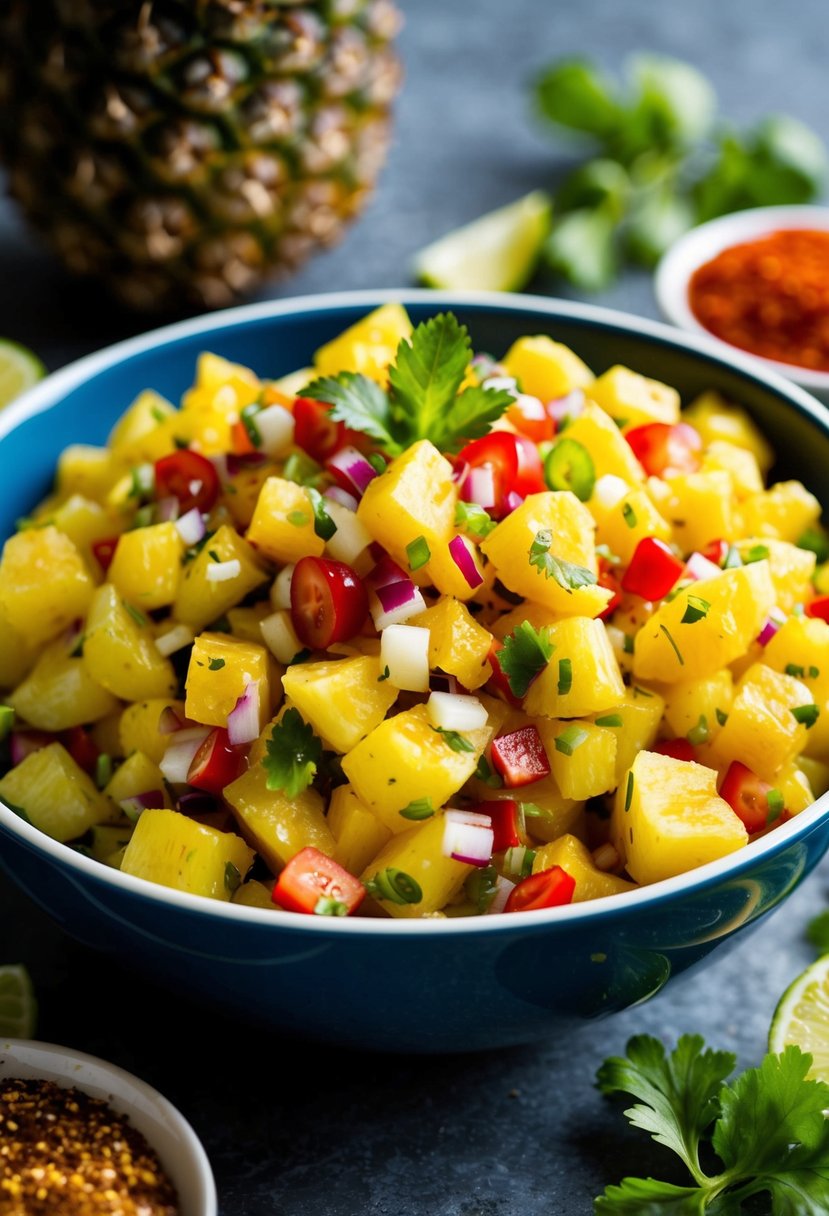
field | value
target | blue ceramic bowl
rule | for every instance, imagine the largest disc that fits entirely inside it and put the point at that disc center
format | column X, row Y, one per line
column 436, row 985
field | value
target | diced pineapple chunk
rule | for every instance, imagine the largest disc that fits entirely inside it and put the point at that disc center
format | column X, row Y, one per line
column 254, row 894
column 458, row 645
column 762, row 730
column 739, row 602
column 785, row 511
column 715, row 419
column 44, row 583
column 632, row 399
column 220, row 669
column 359, row 834
column 109, row 840
column 282, row 527
column 575, row 859
column 84, row 521
column 54, row 794
column 119, row 650
column 170, row 849
column 791, row 568
column 16, row 654
column 793, row 783
column 701, row 509
column 138, row 727
column 368, row 347
column 242, row 490
column 343, row 700
column 201, row 600
column 699, row 703
column 610, row 451
column 59, row 692
column 146, row 568
column 144, row 432
column 571, row 527
column 405, row 759
column 586, row 767
column 137, row 775
column 278, row 826
column 546, row 369
column 740, row 463
column 801, row 648
column 668, row 818
column 816, row 773
column 635, row 721
column 87, row 470
column 582, row 677
column 418, row 853
column 629, row 520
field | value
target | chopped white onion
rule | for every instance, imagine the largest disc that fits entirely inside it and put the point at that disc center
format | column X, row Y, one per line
column 183, row 745
column 609, row 490
column 352, row 536
column 275, row 425
column 280, row 636
column 467, row 837
column 394, row 604
column 281, row 587
column 455, row 711
column 503, row 890
column 404, row 650
column 174, row 639
column 222, row 572
column 243, row 719
column 191, row 527
column 700, row 568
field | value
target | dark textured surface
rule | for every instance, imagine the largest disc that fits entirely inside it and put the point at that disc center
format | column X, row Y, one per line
column 304, row 1130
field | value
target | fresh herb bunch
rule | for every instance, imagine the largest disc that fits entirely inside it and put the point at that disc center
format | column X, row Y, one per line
column 767, row 1127
column 664, row 163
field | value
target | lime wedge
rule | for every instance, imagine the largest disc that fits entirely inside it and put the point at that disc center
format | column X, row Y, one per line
column 18, row 1008
column 802, row 1017
column 19, row 370
column 496, row 252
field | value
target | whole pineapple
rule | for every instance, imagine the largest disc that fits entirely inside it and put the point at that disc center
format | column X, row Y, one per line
column 181, row 150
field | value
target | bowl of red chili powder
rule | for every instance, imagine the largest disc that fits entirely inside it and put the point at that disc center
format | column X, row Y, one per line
column 757, row 280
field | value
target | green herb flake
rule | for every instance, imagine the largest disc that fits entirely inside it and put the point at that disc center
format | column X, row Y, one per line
column 213, row 555
column 103, row 770
column 570, row 738
column 792, row 669
column 722, row 716
column 293, row 753
column 629, row 791
column 815, row 541
column 696, row 609
column 566, row 574
column 324, row 526
column 421, row 808
column 215, row 665
column 524, row 655
column 137, row 616
column 776, row 805
column 298, row 519
column 487, row 775
column 757, row 553
column 518, row 861
column 248, row 420
column 480, row 888
column 233, row 879
column 676, row 649
column 813, row 672
column 327, row 906
column 806, row 715
column 395, row 886
column 384, row 674
column 454, row 740
column 473, row 519
column 302, row 470
column 6, row 720
column 698, row 734
column 609, row 720
column 565, row 676
column 627, row 643
column 629, row 515
column 418, row 553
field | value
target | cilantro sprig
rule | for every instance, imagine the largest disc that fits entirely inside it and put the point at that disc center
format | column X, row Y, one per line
column 424, row 399
column 293, row 753
column 567, row 574
column 766, row 1126
column 524, row 655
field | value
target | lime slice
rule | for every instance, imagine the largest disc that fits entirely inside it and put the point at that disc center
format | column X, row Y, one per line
column 19, row 370
column 802, row 1017
column 497, row 252
column 18, row 1008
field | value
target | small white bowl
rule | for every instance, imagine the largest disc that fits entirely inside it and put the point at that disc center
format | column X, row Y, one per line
column 699, row 245
column 165, row 1130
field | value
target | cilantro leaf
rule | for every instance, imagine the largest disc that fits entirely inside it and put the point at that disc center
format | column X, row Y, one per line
column 293, row 753
column 524, row 655
column 324, row 526
column 474, row 519
column 567, row 574
column 427, row 373
column 471, row 416
column 648, row 1197
column 358, row 402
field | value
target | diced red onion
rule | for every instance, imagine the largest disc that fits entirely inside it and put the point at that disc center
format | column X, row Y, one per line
column 23, row 742
column 354, row 467
column 569, row 406
column 503, row 890
column 169, row 721
column 243, row 719
column 222, row 572
column 700, row 568
column 338, row 494
column 460, row 550
column 479, row 487
column 132, row 807
column 384, row 573
column 175, row 764
column 513, row 501
column 191, row 527
column 166, row 510
column 768, row 631
column 395, row 603
column 468, row 837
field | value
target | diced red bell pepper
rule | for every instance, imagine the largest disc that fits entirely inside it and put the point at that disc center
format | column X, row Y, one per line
column 747, row 796
column 609, row 579
column 819, row 608
column 680, row 749
column 241, row 441
column 81, row 747
column 216, row 763
column 662, row 447
column 715, row 551
column 505, row 816
column 547, row 889
column 104, row 551
column 312, row 882
column 519, row 757
column 653, row 571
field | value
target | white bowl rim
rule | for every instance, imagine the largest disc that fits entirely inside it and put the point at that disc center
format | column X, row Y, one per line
column 126, row 1093
column 700, row 244
column 49, row 390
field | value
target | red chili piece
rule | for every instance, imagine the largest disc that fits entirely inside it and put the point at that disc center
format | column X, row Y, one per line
column 520, row 757
column 715, row 551
column 547, row 889
column 515, row 463
column 680, row 749
column 819, row 608
column 189, row 477
column 662, row 447
column 309, row 877
column 104, row 551
column 215, row 764
column 81, row 747
column 653, row 570
column 747, row 796
column 505, row 816
column 328, row 602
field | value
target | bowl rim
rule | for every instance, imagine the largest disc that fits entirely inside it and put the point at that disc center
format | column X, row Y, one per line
column 720, row 354
column 702, row 243
column 126, row 1093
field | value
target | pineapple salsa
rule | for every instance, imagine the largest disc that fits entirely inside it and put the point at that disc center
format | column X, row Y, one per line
column 415, row 633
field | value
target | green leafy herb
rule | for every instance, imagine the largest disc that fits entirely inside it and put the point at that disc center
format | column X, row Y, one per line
column 137, row 616
column 776, row 804
column 292, row 754
column 817, row 542
column 215, row 665
column 384, row 674
column 248, row 420
column 421, row 808
column 233, row 879
column 213, row 555
column 609, row 720
column 524, row 655
column 518, row 861
column 766, row 1127
column 698, row 734
column 676, row 649
column 629, row 515
column 424, row 400
column 570, row 738
column 722, row 716
column 565, row 676
column 302, row 470
column 792, row 669
column 455, row 740
column 696, row 608
column 627, row 643
column 480, row 887
column 629, row 791
column 298, row 518
column 807, row 715
column 327, row 906
column 757, row 553
column 485, row 774
column 474, row 520
column 418, row 553
column 396, row 886
column 324, row 526
column 566, row 574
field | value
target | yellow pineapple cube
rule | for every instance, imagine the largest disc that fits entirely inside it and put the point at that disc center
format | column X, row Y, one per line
column 144, row 432
column 44, row 584
column 368, row 347
column 816, row 773
column 458, row 645
column 701, row 508
column 59, row 693
column 785, row 510
column 740, row 463
column 245, row 622
column 418, row 853
column 200, row 600
column 16, row 654
column 86, row 470
column 282, row 527
column 146, row 568
column 608, row 448
column 582, row 676
column 582, row 757
column 571, row 528
column 793, row 783
column 716, row 419
column 699, row 703
column 546, row 369
column 170, row 849
column 801, row 648
column 359, row 834
column 632, row 399
column 791, row 569
column 84, row 521
column 137, row 775
column 668, row 819
column 278, row 826
column 220, row 669
column 547, row 813
column 254, row 894
column 575, row 859
column 635, row 723
column 54, row 793
column 762, row 730
column 119, row 650
column 538, row 615
column 630, row 519
column 739, row 601
column 138, row 727
column 343, row 700
column 242, row 490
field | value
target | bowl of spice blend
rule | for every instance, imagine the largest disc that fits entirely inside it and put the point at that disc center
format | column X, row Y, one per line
column 757, row 280
column 81, row 1137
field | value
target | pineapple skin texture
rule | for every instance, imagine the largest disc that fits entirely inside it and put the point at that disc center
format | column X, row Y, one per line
column 172, row 212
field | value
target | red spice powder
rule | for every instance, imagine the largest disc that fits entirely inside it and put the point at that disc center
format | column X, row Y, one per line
column 769, row 297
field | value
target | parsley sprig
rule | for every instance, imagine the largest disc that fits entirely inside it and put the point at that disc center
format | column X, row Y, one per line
column 524, row 655
column 567, row 574
column 424, row 399
column 766, row 1126
column 293, row 753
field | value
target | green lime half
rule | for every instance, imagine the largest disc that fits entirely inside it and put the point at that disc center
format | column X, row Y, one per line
column 802, row 1017
column 18, row 1008
column 496, row 252
column 19, row 370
